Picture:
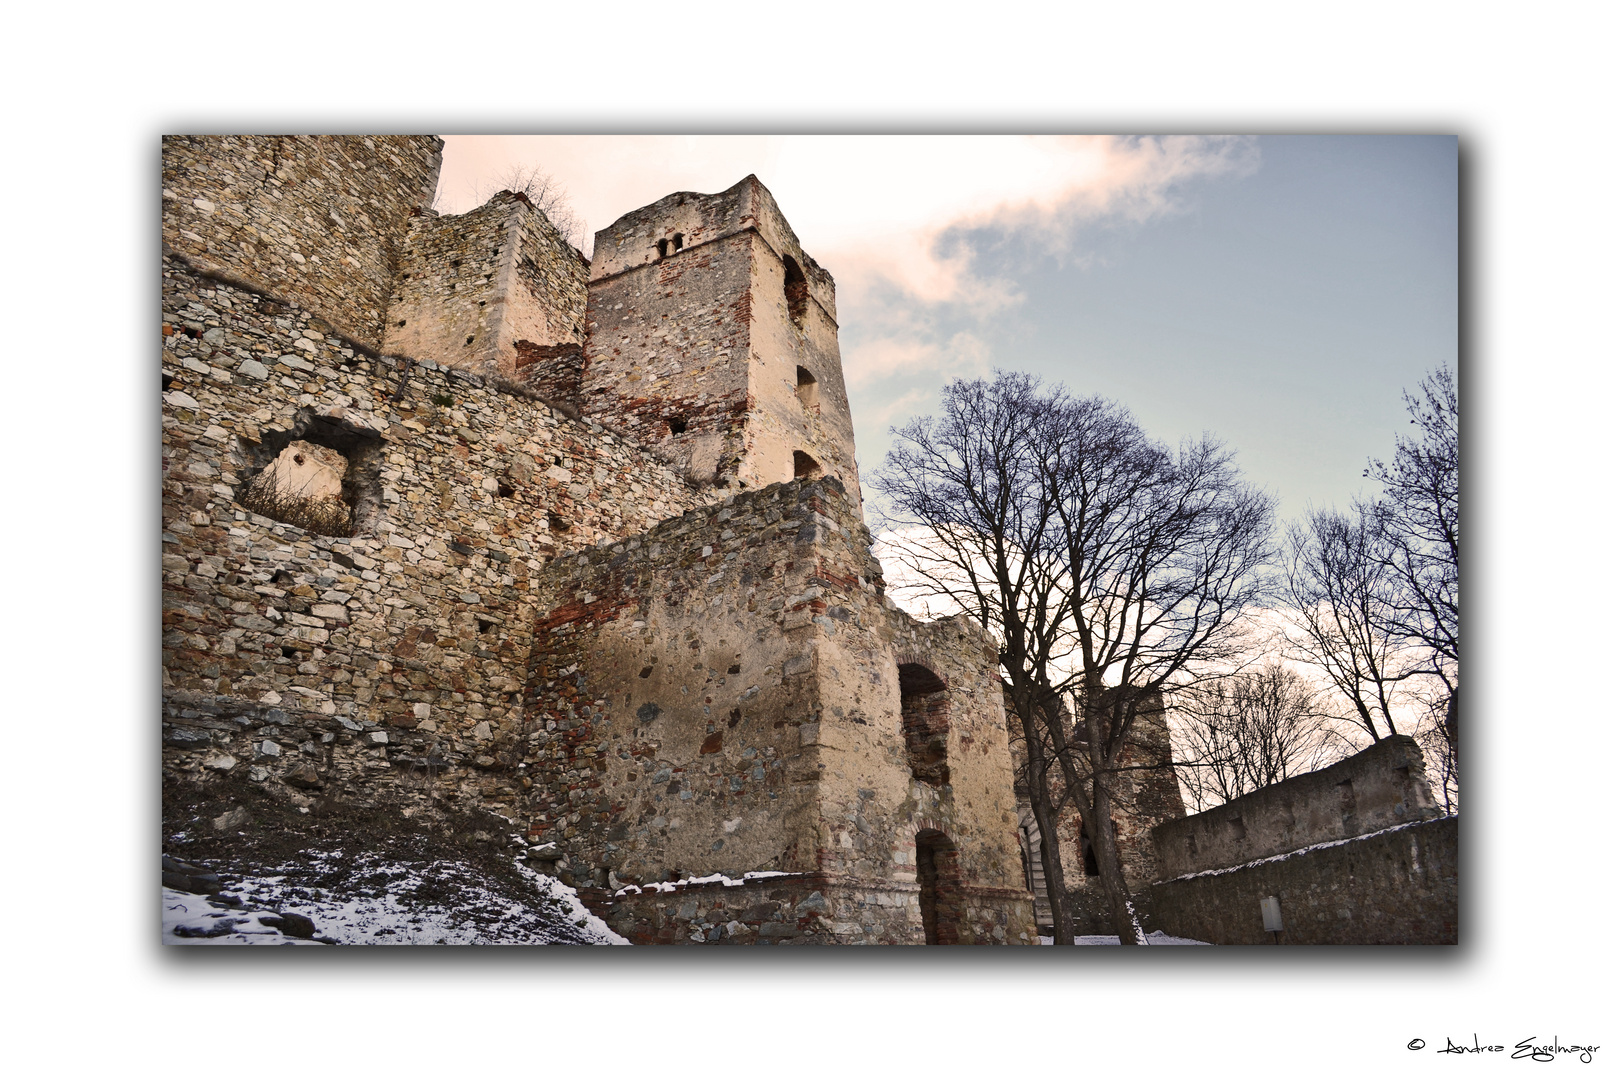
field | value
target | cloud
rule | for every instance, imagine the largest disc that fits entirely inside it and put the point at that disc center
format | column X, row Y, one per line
column 881, row 210
column 875, row 208
column 899, row 221
column 911, row 347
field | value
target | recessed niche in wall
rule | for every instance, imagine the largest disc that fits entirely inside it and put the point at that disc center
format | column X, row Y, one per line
column 809, row 390
column 324, row 475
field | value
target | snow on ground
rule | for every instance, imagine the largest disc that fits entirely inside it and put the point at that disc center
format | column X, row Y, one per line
column 384, row 902
column 190, row 919
column 1158, row 937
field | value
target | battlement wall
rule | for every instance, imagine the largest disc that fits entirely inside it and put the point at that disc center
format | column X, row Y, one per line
column 410, row 638
column 318, row 219
column 475, row 288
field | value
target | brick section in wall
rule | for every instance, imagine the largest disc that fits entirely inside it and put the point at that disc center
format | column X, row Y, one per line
column 318, row 219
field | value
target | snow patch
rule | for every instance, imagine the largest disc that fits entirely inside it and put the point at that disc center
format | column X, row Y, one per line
column 712, row 879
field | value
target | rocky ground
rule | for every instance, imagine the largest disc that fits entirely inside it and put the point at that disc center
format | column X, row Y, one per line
column 237, row 870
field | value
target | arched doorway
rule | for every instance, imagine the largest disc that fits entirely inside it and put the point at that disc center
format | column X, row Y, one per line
column 939, row 882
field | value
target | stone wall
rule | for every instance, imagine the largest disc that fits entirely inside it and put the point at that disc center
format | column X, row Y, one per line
column 318, row 219
column 406, row 642
column 722, row 351
column 723, row 695
column 1384, row 785
column 1394, row 887
column 472, row 287
column 1356, row 853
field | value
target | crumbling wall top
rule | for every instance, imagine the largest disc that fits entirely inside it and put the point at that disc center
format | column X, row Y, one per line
column 1383, row 786
column 643, row 237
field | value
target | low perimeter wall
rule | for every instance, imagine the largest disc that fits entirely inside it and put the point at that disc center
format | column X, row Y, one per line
column 1397, row 886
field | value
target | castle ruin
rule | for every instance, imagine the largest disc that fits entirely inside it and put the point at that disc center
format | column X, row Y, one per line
column 455, row 519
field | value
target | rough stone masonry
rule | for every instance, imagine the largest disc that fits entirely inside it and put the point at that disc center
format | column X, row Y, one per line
column 602, row 569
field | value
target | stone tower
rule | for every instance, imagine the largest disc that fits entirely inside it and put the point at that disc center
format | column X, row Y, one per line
column 713, row 338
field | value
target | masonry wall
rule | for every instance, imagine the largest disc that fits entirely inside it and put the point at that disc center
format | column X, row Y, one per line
column 722, row 696
column 707, row 336
column 473, row 286
column 1381, row 786
column 318, row 219
column 1395, row 887
column 668, row 349
column 405, row 643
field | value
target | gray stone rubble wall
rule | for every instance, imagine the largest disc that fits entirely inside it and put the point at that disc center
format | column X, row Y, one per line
column 318, row 219
column 472, row 286
column 721, row 695
column 1395, row 887
column 401, row 647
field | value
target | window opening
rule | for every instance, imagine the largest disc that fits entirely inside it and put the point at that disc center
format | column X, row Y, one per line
column 1088, row 854
column 805, row 466
column 663, row 248
column 797, row 290
column 676, row 242
column 677, row 425
column 925, row 706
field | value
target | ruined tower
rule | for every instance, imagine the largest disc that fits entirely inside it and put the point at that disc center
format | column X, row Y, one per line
column 713, row 338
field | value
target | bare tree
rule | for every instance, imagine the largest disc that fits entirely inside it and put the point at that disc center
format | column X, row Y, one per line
column 1342, row 599
column 1418, row 521
column 1106, row 563
column 1165, row 552
column 970, row 524
column 1244, row 732
column 1374, row 593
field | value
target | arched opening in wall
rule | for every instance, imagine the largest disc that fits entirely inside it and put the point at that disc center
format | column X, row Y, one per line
column 323, row 475
column 676, row 242
column 925, row 721
column 796, row 288
column 805, row 467
column 809, row 390
column 663, row 248
column 939, row 888
column 677, row 425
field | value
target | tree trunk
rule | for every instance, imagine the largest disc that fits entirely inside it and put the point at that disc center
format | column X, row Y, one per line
column 1104, row 843
column 1040, row 804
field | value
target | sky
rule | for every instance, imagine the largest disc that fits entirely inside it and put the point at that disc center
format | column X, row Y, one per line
column 1539, row 374
column 1279, row 291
